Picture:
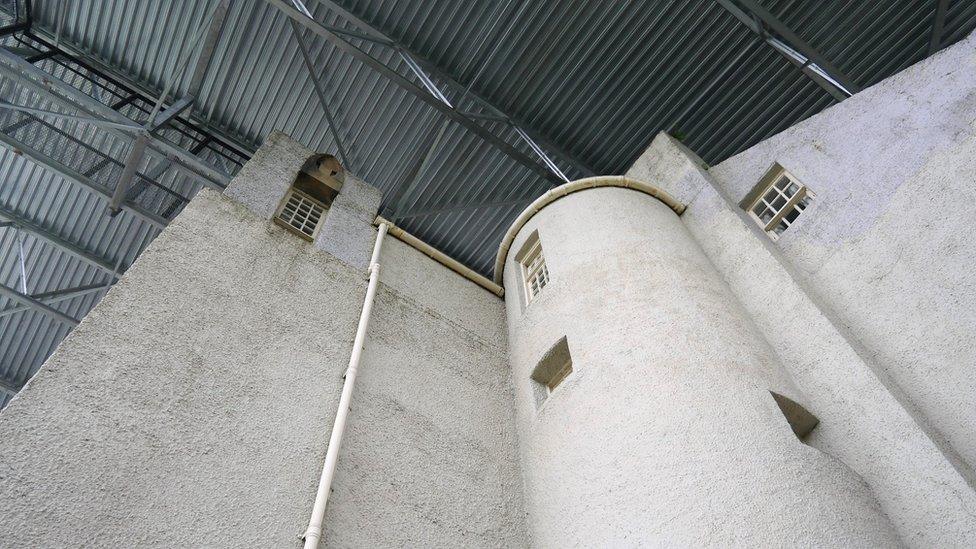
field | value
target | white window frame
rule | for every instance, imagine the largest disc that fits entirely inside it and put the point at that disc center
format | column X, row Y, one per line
column 535, row 276
column 799, row 201
column 304, row 197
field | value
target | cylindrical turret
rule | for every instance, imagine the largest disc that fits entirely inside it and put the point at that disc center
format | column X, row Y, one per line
column 644, row 392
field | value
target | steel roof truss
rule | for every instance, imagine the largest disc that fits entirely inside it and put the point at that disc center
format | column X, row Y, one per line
column 428, row 91
column 792, row 47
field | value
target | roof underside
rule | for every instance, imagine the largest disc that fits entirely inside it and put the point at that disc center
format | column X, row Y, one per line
column 593, row 80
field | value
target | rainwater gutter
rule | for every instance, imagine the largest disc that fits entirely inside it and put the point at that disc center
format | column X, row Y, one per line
column 441, row 257
column 569, row 188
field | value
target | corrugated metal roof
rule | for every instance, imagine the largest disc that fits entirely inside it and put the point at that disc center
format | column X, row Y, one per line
column 598, row 79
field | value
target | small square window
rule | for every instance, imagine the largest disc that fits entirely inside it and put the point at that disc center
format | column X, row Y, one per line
column 532, row 263
column 301, row 213
column 304, row 207
column 779, row 200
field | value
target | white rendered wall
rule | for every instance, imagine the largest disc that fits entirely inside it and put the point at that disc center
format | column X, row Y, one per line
column 864, row 420
column 192, row 407
column 665, row 433
column 888, row 245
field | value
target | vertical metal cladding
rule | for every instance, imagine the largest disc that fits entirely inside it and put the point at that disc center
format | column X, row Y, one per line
column 665, row 431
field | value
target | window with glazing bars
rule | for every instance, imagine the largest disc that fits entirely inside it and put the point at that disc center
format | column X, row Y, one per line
column 301, row 213
column 780, row 203
column 534, row 271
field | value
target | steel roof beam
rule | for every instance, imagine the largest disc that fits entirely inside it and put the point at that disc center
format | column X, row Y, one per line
column 56, row 240
column 207, row 50
column 8, row 388
column 23, row 261
column 82, row 119
column 36, row 305
column 431, row 142
column 435, row 70
column 63, row 93
column 320, row 92
column 405, row 83
column 796, row 50
column 137, row 153
column 480, row 116
column 169, row 114
column 133, row 88
column 541, row 153
column 72, row 176
column 938, row 23
column 210, row 32
column 419, row 65
column 157, row 172
column 799, row 44
column 422, row 93
column 56, row 296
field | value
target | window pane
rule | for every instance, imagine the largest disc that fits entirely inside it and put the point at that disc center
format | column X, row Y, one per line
column 782, row 199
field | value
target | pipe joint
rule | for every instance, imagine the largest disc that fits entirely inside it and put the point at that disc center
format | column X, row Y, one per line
column 312, row 535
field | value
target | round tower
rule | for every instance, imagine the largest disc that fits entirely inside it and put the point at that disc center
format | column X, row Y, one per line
column 645, row 394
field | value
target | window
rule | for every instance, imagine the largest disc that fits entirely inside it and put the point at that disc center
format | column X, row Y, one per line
column 535, row 274
column 552, row 370
column 778, row 200
column 304, row 207
column 301, row 213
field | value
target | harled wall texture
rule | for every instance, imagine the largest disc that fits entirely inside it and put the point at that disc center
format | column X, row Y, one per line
column 665, row 434
column 193, row 406
column 888, row 244
column 869, row 298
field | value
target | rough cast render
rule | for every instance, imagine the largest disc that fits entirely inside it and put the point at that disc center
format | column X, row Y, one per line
column 192, row 406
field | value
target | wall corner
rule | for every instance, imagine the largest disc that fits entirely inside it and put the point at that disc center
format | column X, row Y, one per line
column 670, row 165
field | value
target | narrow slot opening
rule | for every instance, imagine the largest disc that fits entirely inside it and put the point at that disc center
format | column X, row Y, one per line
column 801, row 421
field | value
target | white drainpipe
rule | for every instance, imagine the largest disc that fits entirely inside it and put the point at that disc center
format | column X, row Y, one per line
column 314, row 531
